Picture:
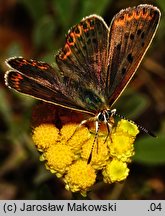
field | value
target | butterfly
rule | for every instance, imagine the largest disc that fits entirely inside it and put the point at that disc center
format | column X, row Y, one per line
column 93, row 67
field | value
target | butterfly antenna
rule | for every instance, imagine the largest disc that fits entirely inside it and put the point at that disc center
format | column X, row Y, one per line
column 95, row 139
column 139, row 126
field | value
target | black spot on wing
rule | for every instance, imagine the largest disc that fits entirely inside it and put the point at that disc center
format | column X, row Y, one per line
column 130, row 58
column 123, row 70
column 132, row 36
column 118, row 47
column 139, row 32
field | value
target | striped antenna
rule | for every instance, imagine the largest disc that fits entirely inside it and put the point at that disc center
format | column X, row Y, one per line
column 139, row 126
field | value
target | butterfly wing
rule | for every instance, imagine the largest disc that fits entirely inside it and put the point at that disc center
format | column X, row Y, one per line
column 83, row 66
column 95, row 65
column 131, row 32
column 41, row 81
column 84, row 56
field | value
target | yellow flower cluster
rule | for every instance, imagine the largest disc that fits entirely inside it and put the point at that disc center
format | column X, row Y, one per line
column 66, row 151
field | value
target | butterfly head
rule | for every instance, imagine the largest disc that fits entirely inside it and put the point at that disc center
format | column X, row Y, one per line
column 105, row 115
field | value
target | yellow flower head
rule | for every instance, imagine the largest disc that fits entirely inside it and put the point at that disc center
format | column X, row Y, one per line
column 74, row 136
column 128, row 127
column 59, row 158
column 76, row 153
column 80, row 177
column 115, row 171
column 100, row 151
column 45, row 135
column 122, row 139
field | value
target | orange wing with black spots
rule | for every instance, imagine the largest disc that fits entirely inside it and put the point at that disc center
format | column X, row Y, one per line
column 85, row 53
column 43, row 82
column 131, row 33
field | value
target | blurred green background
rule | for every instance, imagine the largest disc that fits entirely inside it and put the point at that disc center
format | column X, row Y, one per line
column 37, row 29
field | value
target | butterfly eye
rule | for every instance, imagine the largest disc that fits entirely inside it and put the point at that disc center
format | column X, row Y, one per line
column 101, row 117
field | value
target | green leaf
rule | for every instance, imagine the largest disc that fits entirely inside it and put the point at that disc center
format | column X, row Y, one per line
column 5, row 108
column 132, row 104
column 96, row 7
column 70, row 12
column 44, row 32
column 65, row 10
column 150, row 151
column 49, row 57
column 162, row 4
column 14, row 49
column 36, row 8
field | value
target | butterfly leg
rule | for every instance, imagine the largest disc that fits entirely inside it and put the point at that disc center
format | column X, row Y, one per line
column 92, row 119
column 109, row 128
column 82, row 123
column 95, row 140
column 96, row 136
column 97, row 125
